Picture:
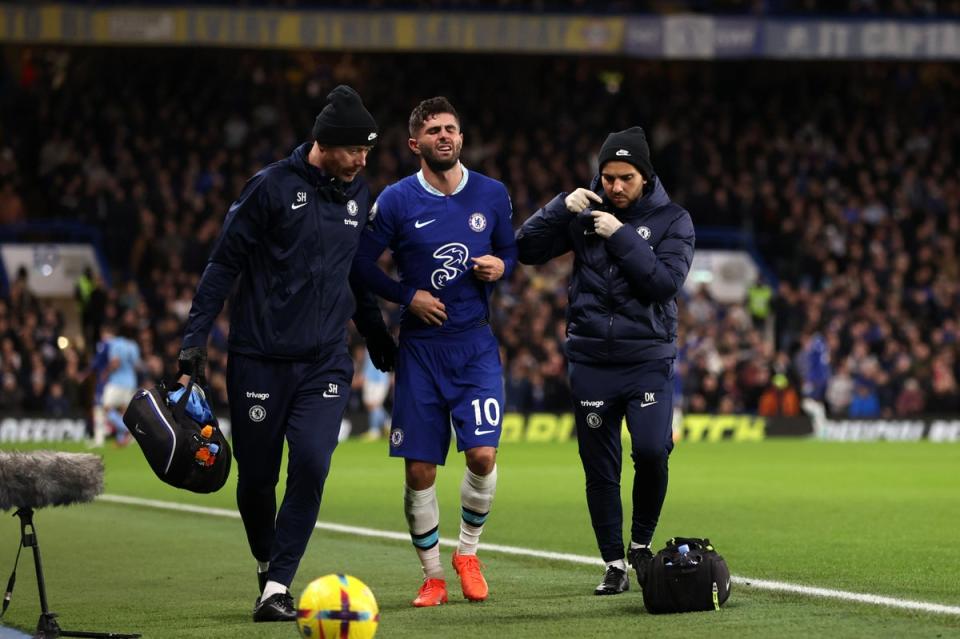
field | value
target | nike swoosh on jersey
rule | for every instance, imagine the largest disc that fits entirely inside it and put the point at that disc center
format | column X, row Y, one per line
column 477, row 431
column 297, row 206
column 645, row 404
column 418, row 224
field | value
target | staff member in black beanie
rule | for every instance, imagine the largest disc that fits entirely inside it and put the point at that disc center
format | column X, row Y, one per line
column 633, row 251
column 290, row 240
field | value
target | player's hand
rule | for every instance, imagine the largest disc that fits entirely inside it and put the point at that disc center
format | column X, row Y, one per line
column 488, row 268
column 605, row 224
column 580, row 199
column 428, row 308
column 193, row 362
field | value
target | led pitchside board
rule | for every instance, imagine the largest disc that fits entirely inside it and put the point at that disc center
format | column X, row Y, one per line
column 674, row 36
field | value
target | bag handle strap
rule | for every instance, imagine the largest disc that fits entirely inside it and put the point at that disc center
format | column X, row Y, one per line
column 180, row 408
column 693, row 542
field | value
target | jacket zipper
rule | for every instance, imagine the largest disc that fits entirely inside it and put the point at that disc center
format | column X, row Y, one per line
column 611, row 310
column 320, row 209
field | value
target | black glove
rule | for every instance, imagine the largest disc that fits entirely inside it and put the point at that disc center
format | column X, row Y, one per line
column 193, row 362
column 382, row 349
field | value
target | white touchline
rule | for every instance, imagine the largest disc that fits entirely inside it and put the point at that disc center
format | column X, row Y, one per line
column 762, row 584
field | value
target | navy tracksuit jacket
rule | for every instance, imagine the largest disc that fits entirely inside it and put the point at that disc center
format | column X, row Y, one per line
column 621, row 343
column 288, row 243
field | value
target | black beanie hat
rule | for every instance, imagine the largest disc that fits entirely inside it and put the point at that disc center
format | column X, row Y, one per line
column 628, row 146
column 345, row 121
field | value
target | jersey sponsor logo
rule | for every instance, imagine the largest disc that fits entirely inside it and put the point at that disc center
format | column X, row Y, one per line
column 587, row 403
column 419, row 225
column 623, row 153
column 396, row 437
column 594, row 420
column 260, row 396
column 352, row 223
column 301, row 200
column 455, row 257
column 478, row 221
column 352, row 208
column 257, row 413
column 333, row 390
column 644, row 232
column 649, row 399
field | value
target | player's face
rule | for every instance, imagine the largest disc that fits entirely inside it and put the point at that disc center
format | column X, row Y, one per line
column 344, row 162
column 439, row 142
column 622, row 183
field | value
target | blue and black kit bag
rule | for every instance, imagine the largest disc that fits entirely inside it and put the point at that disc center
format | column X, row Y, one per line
column 180, row 437
column 686, row 576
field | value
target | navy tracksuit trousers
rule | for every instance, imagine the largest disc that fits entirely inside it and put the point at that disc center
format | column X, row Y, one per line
column 273, row 400
column 603, row 395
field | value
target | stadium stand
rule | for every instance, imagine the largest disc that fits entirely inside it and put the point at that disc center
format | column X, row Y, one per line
column 848, row 8
column 845, row 176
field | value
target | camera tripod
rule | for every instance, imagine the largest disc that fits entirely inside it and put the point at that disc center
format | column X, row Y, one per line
column 47, row 626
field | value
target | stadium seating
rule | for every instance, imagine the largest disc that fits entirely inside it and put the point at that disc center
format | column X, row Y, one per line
column 844, row 174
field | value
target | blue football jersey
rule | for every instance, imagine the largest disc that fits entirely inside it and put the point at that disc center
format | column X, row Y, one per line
column 128, row 353
column 434, row 238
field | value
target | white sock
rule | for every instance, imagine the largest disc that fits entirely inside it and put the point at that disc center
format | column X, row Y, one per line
column 272, row 588
column 99, row 426
column 423, row 520
column 619, row 563
column 476, row 495
column 634, row 545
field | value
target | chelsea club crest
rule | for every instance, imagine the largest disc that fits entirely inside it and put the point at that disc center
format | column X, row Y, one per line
column 478, row 222
column 352, row 207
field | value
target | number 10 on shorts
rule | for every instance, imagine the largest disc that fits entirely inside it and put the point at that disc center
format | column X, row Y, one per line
column 491, row 410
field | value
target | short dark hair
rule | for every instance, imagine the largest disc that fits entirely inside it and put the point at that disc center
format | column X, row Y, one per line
column 427, row 109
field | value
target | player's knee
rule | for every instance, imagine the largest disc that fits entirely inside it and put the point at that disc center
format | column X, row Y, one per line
column 420, row 475
column 481, row 460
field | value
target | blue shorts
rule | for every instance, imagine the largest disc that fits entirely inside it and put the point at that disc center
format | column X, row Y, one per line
column 442, row 381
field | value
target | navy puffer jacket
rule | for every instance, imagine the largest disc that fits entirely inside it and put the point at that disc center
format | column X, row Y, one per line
column 623, row 289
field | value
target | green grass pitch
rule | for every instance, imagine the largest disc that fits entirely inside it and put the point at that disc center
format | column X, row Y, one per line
column 875, row 518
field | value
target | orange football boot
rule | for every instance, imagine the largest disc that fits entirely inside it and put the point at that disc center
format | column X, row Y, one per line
column 471, row 579
column 433, row 592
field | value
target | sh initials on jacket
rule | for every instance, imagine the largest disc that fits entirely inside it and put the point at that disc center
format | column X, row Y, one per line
column 648, row 400
column 333, row 390
column 301, row 200
column 418, row 224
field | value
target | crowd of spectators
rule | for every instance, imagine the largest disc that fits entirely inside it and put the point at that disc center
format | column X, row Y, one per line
column 844, row 176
